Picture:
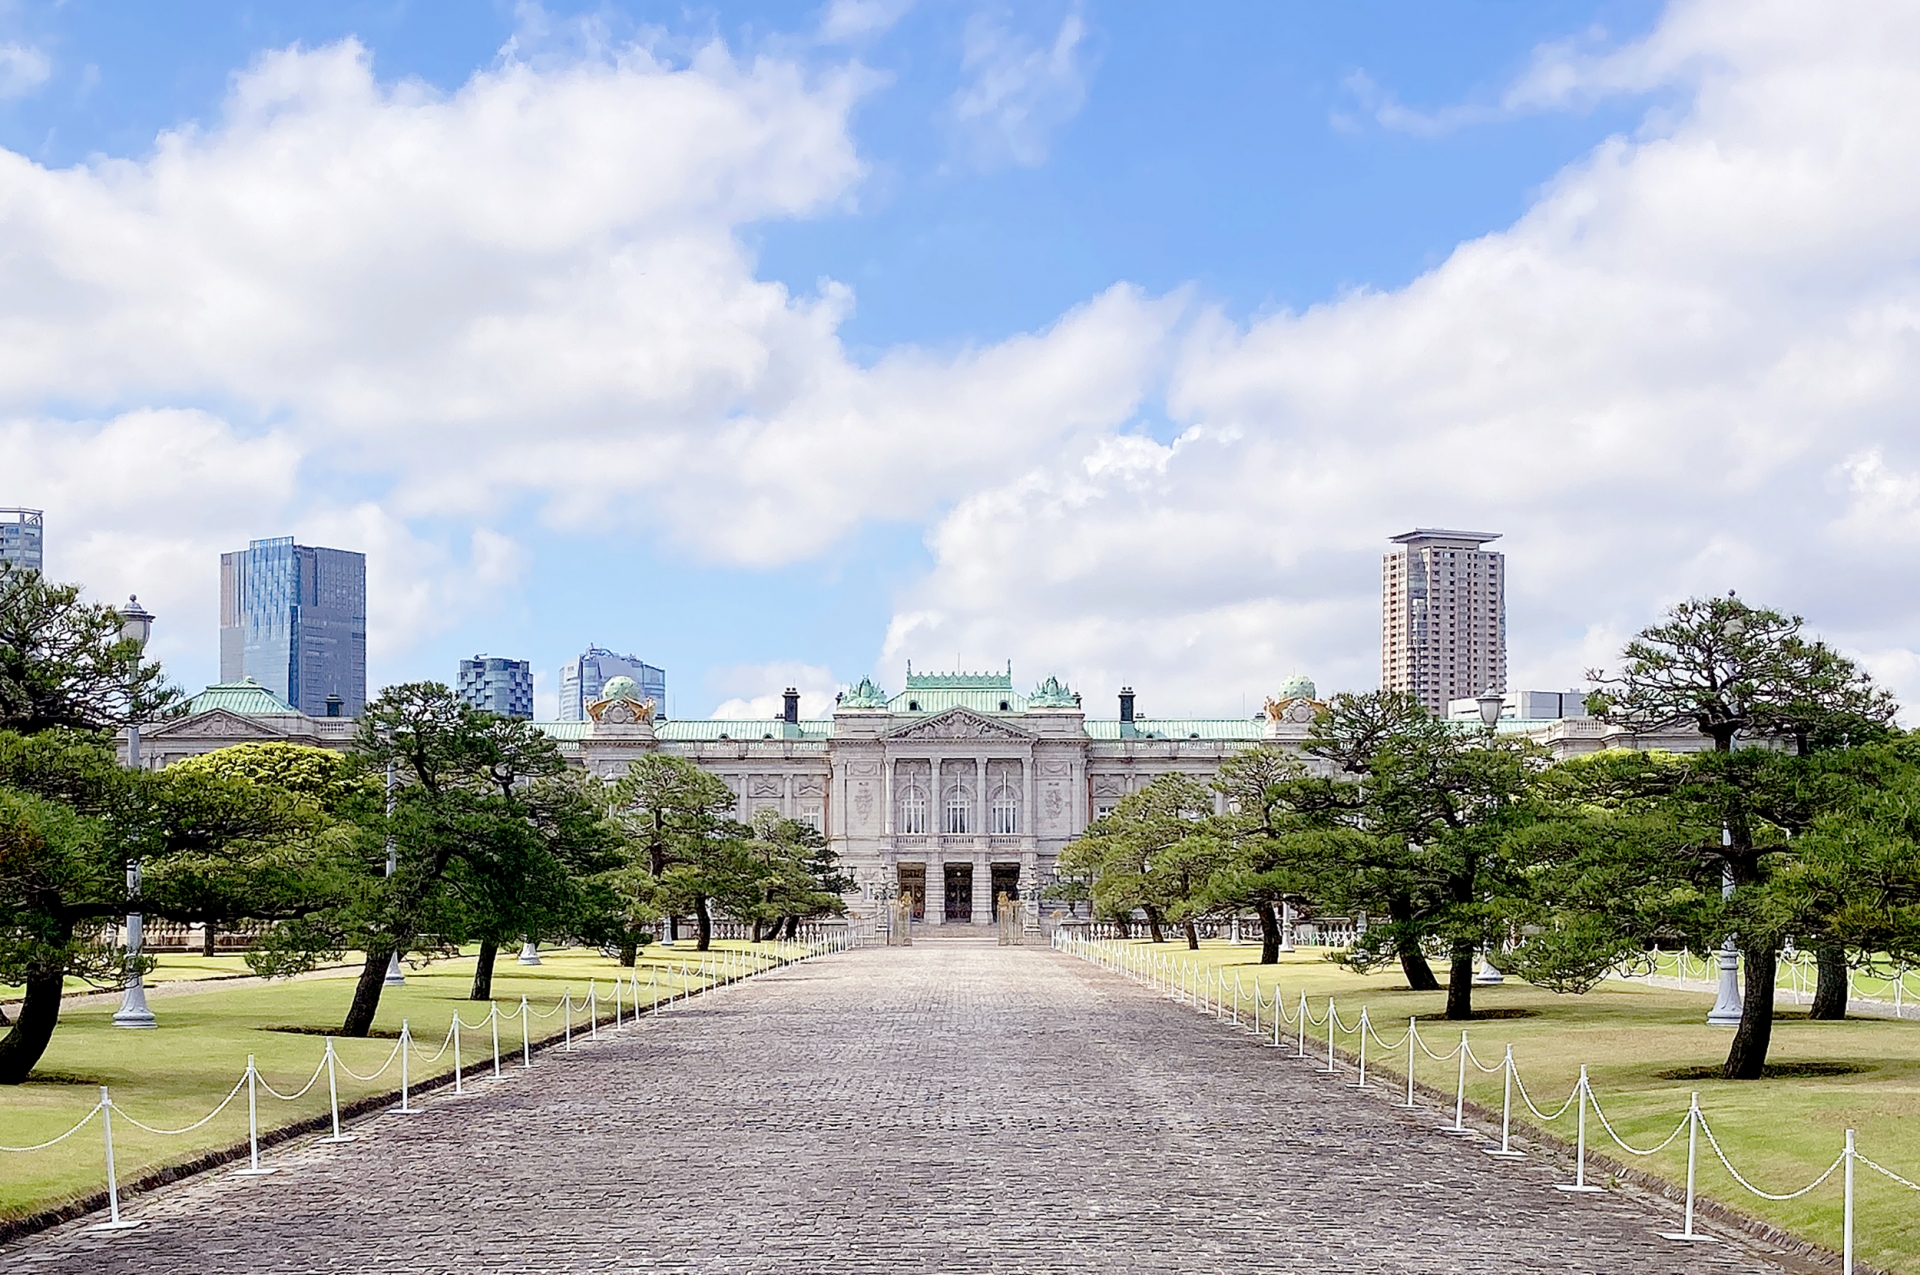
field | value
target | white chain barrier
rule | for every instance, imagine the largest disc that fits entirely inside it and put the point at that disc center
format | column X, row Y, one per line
column 718, row 969
column 1168, row 974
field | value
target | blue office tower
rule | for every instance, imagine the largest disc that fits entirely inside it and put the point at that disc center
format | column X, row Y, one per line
column 294, row 619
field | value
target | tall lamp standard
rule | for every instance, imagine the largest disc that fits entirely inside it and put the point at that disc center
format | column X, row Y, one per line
column 1490, row 703
column 1726, row 1002
column 136, row 626
column 395, row 978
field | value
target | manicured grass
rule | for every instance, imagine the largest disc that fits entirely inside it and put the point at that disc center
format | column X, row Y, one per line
column 175, row 1074
column 1646, row 1050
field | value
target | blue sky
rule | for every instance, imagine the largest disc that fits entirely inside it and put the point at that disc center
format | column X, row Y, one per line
column 1092, row 226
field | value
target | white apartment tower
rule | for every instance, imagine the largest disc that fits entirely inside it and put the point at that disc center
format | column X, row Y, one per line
column 1443, row 616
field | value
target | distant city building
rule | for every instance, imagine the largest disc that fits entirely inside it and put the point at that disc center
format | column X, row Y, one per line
column 502, row 687
column 581, row 679
column 294, row 619
column 1443, row 616
column 1525, row 706
column 21, row 533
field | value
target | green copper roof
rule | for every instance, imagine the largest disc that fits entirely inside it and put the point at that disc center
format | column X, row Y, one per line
column 1203, row 728
column 245, row 696
column 706, row 729
column 960, row 681
column 993, row 699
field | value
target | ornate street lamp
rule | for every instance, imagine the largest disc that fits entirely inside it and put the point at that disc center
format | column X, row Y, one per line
column 395, row 977
column 1491, row 703
column 136, row 626
column 1726, row 1001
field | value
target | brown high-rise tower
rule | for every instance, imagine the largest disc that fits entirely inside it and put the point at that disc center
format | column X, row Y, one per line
column 1443, row 616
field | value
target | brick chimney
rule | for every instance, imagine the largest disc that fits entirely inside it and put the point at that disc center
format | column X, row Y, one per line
column 790, row 711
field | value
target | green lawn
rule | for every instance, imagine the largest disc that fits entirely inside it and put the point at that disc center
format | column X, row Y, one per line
column 1638, row 1044
column 176, row 1073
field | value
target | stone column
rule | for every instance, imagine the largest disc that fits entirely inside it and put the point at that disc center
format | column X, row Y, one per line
column 982, row 887
column 886, row 792
column 980, row 826
column 936, row 889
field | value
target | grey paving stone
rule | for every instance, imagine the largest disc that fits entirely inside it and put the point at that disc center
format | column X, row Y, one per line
column 953, row 1107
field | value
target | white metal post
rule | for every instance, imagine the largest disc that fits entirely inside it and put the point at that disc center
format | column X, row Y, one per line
column 593, row 1009
column 526, row 1035
column 493, row 1020
column 1579, row 1182
column 114, row 1222
column 1460, row 1091
column 1506, row 1151
column 1362, row 1082
column 1846, row 1224
column 1412, row 1023
column 458, row 1086
column 1331, row 1023
column 333, row 1098
column 1301, row 1027
column 1693, row 1145
column 406, row 1048
column 566, row 1002
column 253, row 1169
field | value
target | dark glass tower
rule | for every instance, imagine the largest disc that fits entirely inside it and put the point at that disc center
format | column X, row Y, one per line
column 294, row 619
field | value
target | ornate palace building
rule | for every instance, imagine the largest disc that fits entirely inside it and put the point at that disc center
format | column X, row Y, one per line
column 951, row 793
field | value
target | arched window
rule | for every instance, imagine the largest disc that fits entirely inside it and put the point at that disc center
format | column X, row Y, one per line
column 913, row 811
column 959, row 810
column 1004, row 812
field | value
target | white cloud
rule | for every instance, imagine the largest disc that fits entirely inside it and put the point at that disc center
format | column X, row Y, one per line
column 23, row 69
column 850, row 20
column 1691, row 366
column 1018, row 93
column 758, row 690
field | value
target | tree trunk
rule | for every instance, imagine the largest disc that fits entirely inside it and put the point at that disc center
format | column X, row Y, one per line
column 1830, row 990
column 1193, row 937
column 756, row 929
column 1153, row 925
column 705, row 917
column 793, row 927
column 1269, row 934
column 483, row 971
column 629, row 950
column 206, row 940
column 1460, row 984
column 39, row 1011
column 1747, row 1060
column 366, row 993
column 1413, row 963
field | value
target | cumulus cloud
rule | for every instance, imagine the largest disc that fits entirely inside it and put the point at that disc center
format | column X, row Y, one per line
column 23, row 69
column 849, row 20
column 758, row 690
column 528, row 293
column 1018, row 92
column 1689, row 367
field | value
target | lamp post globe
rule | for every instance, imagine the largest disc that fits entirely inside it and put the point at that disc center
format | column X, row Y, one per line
column 136, row 626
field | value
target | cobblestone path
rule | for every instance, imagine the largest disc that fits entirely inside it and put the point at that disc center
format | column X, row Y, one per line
column 950, row 1107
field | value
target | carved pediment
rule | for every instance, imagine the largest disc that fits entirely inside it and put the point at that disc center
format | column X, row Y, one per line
column 959, row 723
column 218, row 723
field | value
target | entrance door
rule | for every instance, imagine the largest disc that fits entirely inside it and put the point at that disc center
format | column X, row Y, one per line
column 913, row 888
column 1006, row 882
column 960, row 892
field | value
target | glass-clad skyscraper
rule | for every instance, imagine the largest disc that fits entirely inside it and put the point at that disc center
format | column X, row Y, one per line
column 494, row 685
column 21, row 546
column 582, row 677
column 294, row 619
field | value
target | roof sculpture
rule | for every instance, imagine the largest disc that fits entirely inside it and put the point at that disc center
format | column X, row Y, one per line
column 1053, row 693
column 863, row 694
